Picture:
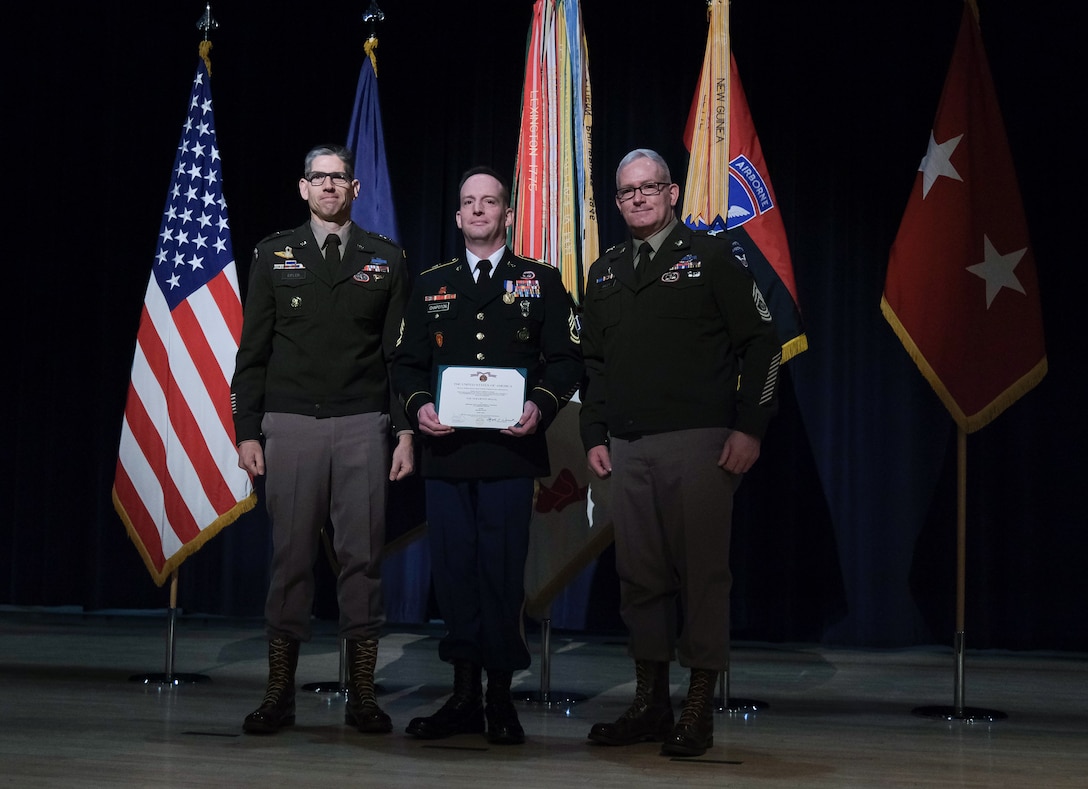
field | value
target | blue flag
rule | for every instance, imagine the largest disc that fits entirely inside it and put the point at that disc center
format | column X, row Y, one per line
column 373, row 209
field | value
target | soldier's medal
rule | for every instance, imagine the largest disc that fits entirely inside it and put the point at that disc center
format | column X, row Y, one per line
column 508, row 296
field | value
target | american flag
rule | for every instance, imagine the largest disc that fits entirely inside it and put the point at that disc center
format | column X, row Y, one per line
column 178, row 482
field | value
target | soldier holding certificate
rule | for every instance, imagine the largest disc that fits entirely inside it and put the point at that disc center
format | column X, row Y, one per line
column 471, row 327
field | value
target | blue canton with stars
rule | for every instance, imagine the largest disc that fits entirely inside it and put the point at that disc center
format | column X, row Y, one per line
column 194, row 239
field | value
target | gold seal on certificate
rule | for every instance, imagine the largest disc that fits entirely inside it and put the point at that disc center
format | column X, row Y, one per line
column 481, row 397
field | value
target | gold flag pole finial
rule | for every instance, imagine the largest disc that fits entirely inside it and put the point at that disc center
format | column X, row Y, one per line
column 206, row 23
column 372, row 16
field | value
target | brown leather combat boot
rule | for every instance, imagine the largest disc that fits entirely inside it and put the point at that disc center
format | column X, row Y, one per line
column 649, row 718
column 694, row 731
column 362, row 709
column 278, row 707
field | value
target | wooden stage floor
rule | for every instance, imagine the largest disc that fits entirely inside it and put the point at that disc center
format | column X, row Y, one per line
column 72, row 715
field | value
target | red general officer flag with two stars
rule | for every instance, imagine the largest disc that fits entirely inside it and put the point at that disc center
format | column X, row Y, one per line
column 961, row 290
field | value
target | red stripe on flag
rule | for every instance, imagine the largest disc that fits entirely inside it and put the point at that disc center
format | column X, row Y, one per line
column 216, row 386
column 185, row 425
column 178, row 517
column 177, row 412
column 226, row 296
column 142, row 524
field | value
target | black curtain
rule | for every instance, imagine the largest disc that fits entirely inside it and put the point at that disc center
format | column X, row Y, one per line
column 844, row 532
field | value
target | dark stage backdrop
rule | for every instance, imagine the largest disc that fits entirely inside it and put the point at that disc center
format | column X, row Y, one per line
column 845, row 531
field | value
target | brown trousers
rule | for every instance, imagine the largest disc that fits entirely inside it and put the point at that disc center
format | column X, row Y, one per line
column 317, row 471
column 672, row 508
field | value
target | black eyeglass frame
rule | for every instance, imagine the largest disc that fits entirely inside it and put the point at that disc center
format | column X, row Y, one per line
column 650, row 189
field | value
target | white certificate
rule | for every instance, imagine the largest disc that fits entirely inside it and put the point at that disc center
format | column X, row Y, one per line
column 483, row 397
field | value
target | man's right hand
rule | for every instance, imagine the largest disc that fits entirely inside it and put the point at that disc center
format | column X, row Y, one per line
column 251, row 457
column 599, row 461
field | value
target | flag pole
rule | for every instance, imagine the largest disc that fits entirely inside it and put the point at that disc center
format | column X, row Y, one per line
column 719, row 49
column 206, row 23
column 546, row 697
column 958, row 710
column 169, row 676
column 339, row 687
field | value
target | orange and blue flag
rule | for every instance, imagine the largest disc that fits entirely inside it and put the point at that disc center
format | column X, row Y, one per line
column 728, row 186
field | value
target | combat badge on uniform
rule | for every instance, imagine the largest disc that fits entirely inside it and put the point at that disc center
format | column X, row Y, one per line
column 289, row 261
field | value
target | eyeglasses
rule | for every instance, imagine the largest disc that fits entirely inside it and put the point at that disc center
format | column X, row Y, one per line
column 338, row 179
column 648, row 190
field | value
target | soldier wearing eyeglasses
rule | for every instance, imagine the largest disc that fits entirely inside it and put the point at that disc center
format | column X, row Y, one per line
column 672, row 319
column 313, row 412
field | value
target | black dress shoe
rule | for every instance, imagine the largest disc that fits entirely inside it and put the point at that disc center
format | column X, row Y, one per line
column 503, row 726
column 458, row 715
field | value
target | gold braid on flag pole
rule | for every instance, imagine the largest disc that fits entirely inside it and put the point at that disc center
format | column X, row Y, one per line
column 369, row 46
column 204, row 49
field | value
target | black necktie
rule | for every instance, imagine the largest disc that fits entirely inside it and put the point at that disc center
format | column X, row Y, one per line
column 484, row 267
column 332, row 252
column 643, row 263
